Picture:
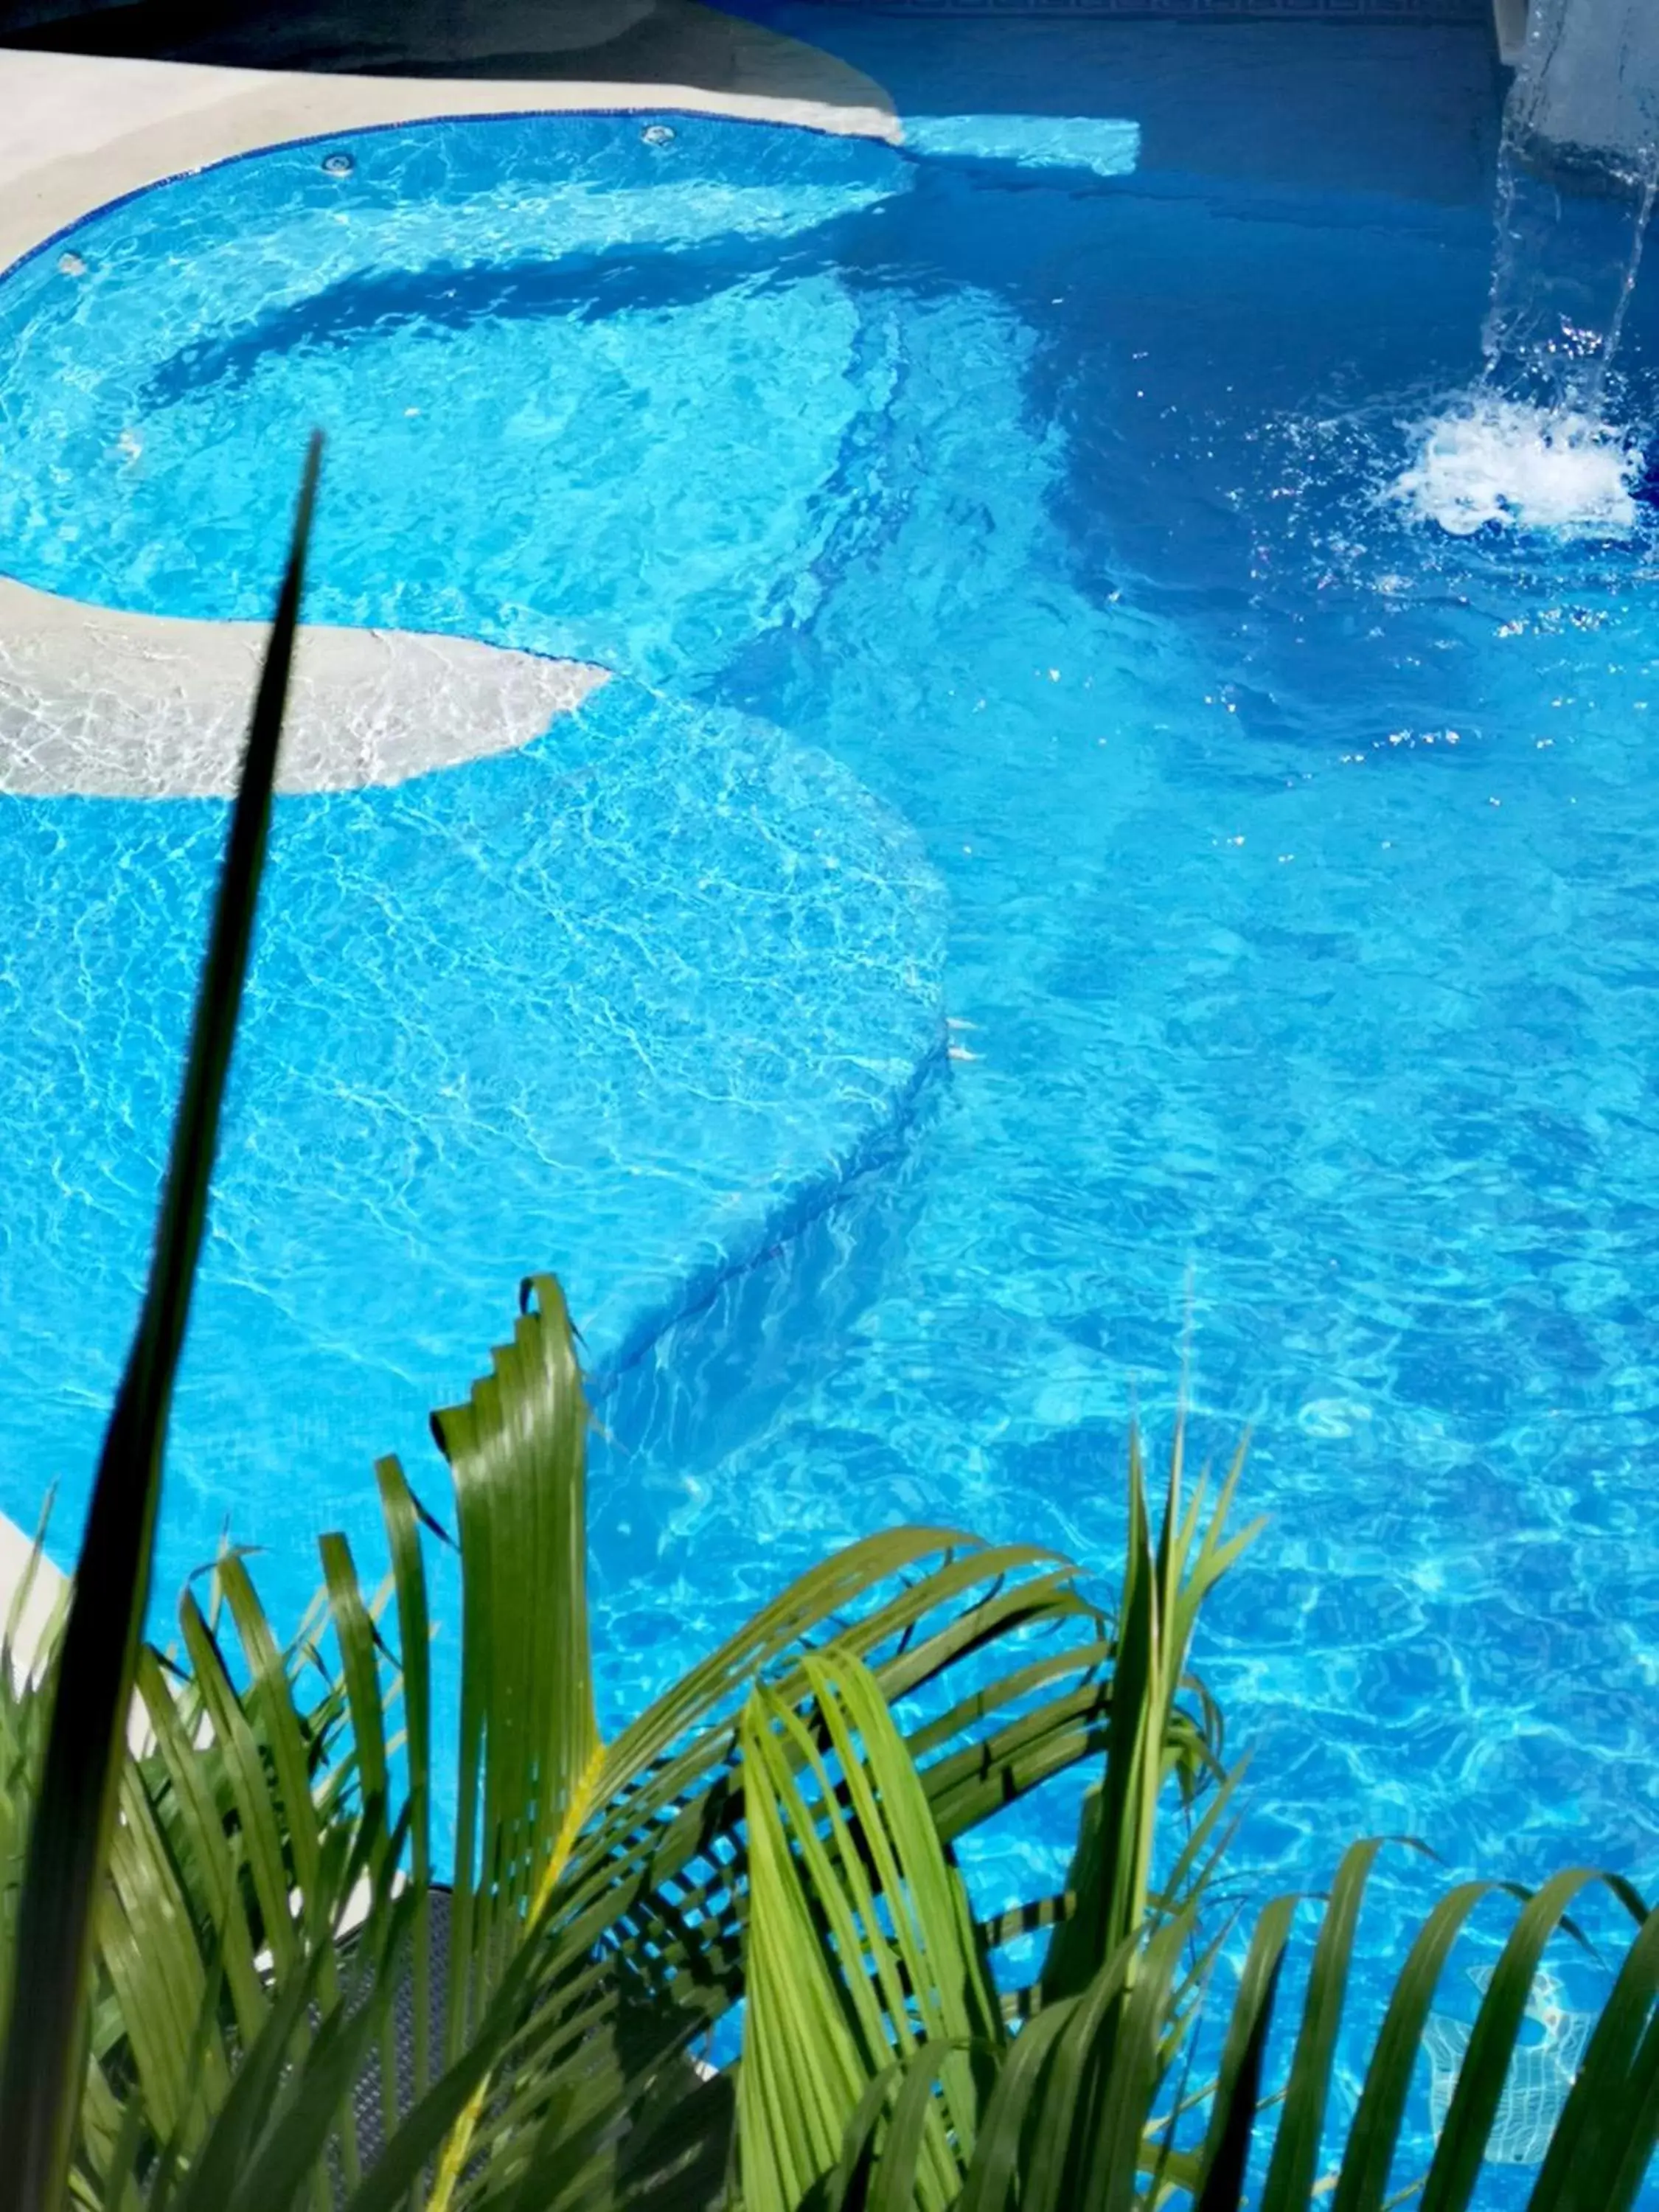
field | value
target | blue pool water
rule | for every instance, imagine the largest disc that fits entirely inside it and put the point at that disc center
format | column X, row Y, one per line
column 1298, row 862
column 548, row 1004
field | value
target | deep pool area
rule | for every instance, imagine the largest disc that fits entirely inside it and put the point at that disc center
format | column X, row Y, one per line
column 1018, row 625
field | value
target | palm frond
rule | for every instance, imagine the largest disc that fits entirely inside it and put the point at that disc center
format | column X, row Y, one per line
column 860, row 1946
column 1149, row 1739
column 612, row 1885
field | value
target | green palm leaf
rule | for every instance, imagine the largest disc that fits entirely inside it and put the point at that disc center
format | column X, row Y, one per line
column 529, row 1749
column 1604, row 2136
column 1294, row 2166
column 1149, row 1738
column 1604, row 2142
column 591, row 1983
column 842, row 1843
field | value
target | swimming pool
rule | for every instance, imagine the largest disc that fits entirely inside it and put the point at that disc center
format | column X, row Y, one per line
column 1296, row 857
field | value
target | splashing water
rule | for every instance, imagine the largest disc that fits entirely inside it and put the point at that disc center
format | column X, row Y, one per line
column 1525, row 466
column 1533, row 447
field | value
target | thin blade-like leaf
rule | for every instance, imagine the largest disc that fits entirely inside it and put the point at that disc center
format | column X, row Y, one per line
column 69, row 1840
column 1291, row 2173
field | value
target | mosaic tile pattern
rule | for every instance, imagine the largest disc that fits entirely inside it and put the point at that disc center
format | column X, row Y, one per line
column 1424, row 12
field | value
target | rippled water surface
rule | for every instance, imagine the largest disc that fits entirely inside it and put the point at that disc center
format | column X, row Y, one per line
column 1301, row 855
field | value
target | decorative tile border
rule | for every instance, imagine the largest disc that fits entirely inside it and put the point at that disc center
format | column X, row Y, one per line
column 1421, row 13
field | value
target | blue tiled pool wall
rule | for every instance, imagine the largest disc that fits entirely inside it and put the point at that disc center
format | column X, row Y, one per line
column 1206, row 743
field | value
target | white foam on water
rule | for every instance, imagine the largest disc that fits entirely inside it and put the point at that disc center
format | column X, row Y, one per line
column 1525, row 467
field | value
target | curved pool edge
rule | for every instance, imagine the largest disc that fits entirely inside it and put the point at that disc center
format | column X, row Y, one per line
column 133, row 124
column 860, row 1077
column 798, row 1210
column 663, row 1397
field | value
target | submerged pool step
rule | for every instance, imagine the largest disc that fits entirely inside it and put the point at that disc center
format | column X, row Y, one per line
column 1108, row 145
column 99, row 703
column 628, row 1002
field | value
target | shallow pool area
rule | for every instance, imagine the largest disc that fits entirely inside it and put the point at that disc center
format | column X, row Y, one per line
column 1078, row 869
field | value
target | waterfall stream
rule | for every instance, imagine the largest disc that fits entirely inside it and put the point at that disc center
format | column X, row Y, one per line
column 1544, row 440
column 1577, row 170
